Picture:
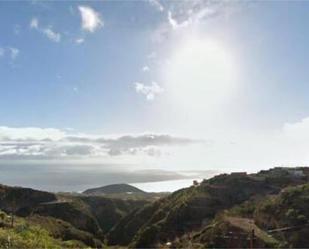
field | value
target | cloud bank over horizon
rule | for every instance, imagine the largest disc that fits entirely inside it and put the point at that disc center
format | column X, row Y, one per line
column 35, row 143
column 282, row 147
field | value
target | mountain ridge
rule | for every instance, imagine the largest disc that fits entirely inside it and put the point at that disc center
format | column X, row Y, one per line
column 188, row 209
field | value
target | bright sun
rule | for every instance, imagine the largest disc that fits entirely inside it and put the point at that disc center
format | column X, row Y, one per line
column 200, row 75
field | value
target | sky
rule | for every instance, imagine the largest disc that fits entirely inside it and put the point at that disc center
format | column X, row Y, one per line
column 97, row 92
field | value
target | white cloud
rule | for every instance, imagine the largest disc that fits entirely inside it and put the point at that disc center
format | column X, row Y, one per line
column 150, row 91
column 145, row 68
column 10, row 52
column 91, row 20
column 286, row 146
column 52, row 35
column 172, row 21
column 152, row 55
column 157, row 4
column 297, row 131
column 14, row 52
column 80, row 40
column 39, row 143
column 184, row 13
column 34, row 23
column 48, row 31
column 26, row 133
column 193, row 18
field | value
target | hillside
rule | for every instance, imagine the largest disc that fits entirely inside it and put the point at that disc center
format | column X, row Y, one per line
column 220, row 212
column 278, row 221
column 22, row 200
column 26, row 234
column 113, row 189
column 124, row 192
column 190, row 209
column 286, row 216
column 227, row 232
column 81, row 218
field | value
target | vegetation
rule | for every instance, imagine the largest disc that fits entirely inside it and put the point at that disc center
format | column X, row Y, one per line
column 64, row 231
column 267, row 209
column 286, row 216
column 25, row 234
column 190, row 210
column 83, row 219
column 113, row 189
column 124, row 192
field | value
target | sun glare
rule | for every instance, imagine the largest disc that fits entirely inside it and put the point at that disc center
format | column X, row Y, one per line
column 201, row 74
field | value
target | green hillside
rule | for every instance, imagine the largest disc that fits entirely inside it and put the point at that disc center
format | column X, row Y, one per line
column 81, row 218
column 278, row 221
column 190, row 209
column 265, row 210
column 286, row 216
column 25, row 234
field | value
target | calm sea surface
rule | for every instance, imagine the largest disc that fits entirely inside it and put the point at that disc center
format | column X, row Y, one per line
column 165, row 186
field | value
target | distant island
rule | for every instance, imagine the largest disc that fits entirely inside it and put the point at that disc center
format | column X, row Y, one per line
column 113, row 189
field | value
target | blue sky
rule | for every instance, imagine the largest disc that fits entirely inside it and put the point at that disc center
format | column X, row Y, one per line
column 81, row 78
column 92, row 82
column 177, row 85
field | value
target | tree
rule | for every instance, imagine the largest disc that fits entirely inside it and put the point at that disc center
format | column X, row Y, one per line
column 2, row 216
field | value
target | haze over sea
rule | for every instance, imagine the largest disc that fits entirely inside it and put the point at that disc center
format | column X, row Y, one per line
column 165, row 186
